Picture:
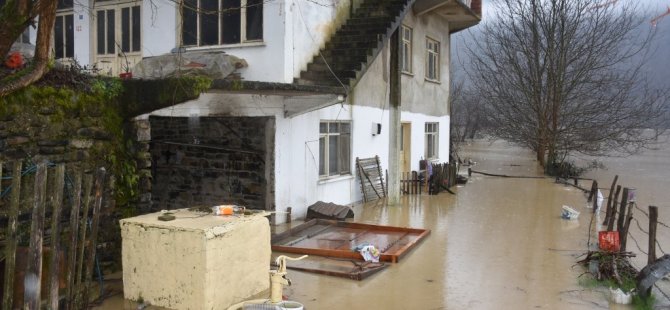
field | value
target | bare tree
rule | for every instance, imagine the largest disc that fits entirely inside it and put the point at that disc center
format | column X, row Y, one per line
column 15, row 17
column 564, row 76
column 468, row 112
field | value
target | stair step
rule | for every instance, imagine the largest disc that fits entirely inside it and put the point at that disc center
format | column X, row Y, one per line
column 341, row 66
column 352, row 44
column 347, row 52
column 327, row 75
column 370, row 20
column 367, row 37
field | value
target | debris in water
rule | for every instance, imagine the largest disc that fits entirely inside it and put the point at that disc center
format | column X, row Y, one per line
column 569, row 213
column 620, row 297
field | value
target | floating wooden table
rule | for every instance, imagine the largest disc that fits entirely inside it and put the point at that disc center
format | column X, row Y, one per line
column 337, row 239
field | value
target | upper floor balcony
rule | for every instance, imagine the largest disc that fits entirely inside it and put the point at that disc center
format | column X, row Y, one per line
column 461, row 14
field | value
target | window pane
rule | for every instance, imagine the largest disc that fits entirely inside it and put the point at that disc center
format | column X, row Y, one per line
column 25, row 36
column 345, row 158
column 100, row 31
column 69, row 35
column 190, row 22
column 323, row 128
column 137, row 29
column 100, row 20
column 334, row 128
column 209, row 22
column 231, row 22
column 58, row 37
column 254, row 19
column 125, row 30
column 429, row 146
column 111, row 43
column 322, row 156
column 64, row 4
column 345, row 127
column 332, row 154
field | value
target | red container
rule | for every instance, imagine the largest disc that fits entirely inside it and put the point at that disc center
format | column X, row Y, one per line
column 609, row 241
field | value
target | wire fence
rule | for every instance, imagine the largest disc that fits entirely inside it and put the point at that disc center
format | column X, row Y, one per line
column 615, row 213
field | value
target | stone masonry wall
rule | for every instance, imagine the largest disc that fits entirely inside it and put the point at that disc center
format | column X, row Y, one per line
column 206, row 161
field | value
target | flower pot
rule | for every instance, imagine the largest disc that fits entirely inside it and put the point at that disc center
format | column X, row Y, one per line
column 126, row 75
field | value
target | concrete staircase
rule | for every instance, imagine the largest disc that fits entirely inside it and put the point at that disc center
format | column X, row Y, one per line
column 356, row 44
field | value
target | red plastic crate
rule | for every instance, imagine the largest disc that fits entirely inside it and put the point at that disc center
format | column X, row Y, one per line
column 609, row 241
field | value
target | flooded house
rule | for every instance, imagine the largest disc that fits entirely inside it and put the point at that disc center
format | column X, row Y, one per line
column 309, row 95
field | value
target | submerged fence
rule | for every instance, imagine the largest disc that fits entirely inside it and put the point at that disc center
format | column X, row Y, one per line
column 50, row 217
column 621, row 210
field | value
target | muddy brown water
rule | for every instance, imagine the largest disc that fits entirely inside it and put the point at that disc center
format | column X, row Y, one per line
column 499, row 243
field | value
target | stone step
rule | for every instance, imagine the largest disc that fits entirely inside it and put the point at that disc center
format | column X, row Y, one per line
column 356, row 52
column 352, row 44
column 366, row 37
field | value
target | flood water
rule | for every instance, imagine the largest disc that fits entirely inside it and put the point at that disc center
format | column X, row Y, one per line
column 499, row 243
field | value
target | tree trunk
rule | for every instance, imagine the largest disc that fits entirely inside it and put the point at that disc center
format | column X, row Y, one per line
column 47, row 13
column 15, row 19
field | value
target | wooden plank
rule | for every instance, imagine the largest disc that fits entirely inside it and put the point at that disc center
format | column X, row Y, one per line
column 608, row 211
column 10, row 248
column 610, row 225
column 97, row 204
column 622, row 211
column 32, row 292
column 338, row 243
column 293, row 230
column 56, row 202
column 74, row 233
column 78, row 287
column 348, row 269
column 653, row 219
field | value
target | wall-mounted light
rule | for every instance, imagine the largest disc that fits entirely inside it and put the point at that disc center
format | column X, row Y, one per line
column 376, row 129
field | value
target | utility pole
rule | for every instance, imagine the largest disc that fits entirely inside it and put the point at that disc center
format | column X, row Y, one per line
column 394, row 121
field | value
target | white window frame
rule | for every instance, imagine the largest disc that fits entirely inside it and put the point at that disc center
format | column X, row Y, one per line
column 118, row 27
column 63, row 14
column 243, row 28
column 432, row 53
column 324, row 152
column 406, row 50
column 432, row 133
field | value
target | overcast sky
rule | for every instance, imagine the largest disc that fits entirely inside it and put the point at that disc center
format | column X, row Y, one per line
column 658, row 62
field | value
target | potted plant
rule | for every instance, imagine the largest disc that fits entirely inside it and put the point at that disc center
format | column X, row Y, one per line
column 126, row 74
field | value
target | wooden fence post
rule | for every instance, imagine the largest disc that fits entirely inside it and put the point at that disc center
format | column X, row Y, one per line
column 32, row 292
column 10, row 249
column 74, row 233
column 610, row 224
column 653, row 219
column 622, row 211
column 608, row 211
column 55, row 201
column 626, row 226
column 97, row 203
column 595, row 196
column 78, row 291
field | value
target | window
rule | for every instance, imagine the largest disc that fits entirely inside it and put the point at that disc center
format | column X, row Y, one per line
column 432, row 60
column 334, row 148
column 106, row 32
column 406, row 50
column 130, row 29
column 64, row 36
column 432, row 133
column 219, row 22
column 130, row 39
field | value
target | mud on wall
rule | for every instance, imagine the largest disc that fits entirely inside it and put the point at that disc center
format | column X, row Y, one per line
column 212, row 161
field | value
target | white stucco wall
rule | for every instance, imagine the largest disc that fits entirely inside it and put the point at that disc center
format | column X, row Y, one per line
column 312, row 25
column 160, row 27
column 297, row 183
column 82, row 33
